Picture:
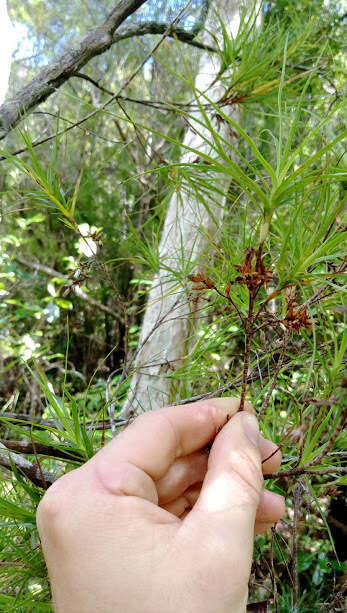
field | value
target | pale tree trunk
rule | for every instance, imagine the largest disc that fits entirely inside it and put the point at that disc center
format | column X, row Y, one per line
column 186, row 233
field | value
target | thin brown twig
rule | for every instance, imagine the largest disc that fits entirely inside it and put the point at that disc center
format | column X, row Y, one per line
column 38, row 463
column 160, row 105
column 272, row 454
column 289, row 393
column 301, row 451
column 231, row 302
column 279, row 365
column 248, row 334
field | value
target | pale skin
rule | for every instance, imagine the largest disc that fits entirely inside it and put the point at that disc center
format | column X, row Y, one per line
column 155, row 524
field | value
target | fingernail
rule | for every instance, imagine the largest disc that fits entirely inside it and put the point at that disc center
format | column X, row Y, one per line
column 251, row 428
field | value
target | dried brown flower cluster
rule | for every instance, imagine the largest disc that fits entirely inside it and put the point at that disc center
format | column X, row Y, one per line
column 254, row 276
column 201, row 281
column 296, row 317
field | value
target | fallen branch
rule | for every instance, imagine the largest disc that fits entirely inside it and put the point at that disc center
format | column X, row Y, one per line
column 30, row 448
column 39, row 422
column 37, row 475
column 30, row 419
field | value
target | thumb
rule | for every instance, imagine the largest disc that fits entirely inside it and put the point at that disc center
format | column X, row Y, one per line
column 229, row 497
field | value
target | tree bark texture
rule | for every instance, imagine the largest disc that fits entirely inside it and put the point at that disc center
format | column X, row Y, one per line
column 185, row 236
column 97, row 41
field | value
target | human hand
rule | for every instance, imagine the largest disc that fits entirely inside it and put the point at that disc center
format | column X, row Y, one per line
column 153, row 524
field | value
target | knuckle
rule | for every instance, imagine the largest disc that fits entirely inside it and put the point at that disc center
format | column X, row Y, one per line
column 208, row 413
column 142, row 418
column 55, row 503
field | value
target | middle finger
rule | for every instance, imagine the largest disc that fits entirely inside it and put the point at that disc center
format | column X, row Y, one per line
column 191, row 469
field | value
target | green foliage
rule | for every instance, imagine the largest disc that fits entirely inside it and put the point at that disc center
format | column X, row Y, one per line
column 82, row 220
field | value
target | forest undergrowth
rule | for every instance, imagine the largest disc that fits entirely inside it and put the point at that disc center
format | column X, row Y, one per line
column 83, row 210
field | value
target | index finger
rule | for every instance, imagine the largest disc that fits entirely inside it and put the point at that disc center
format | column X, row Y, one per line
column 155, row 439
